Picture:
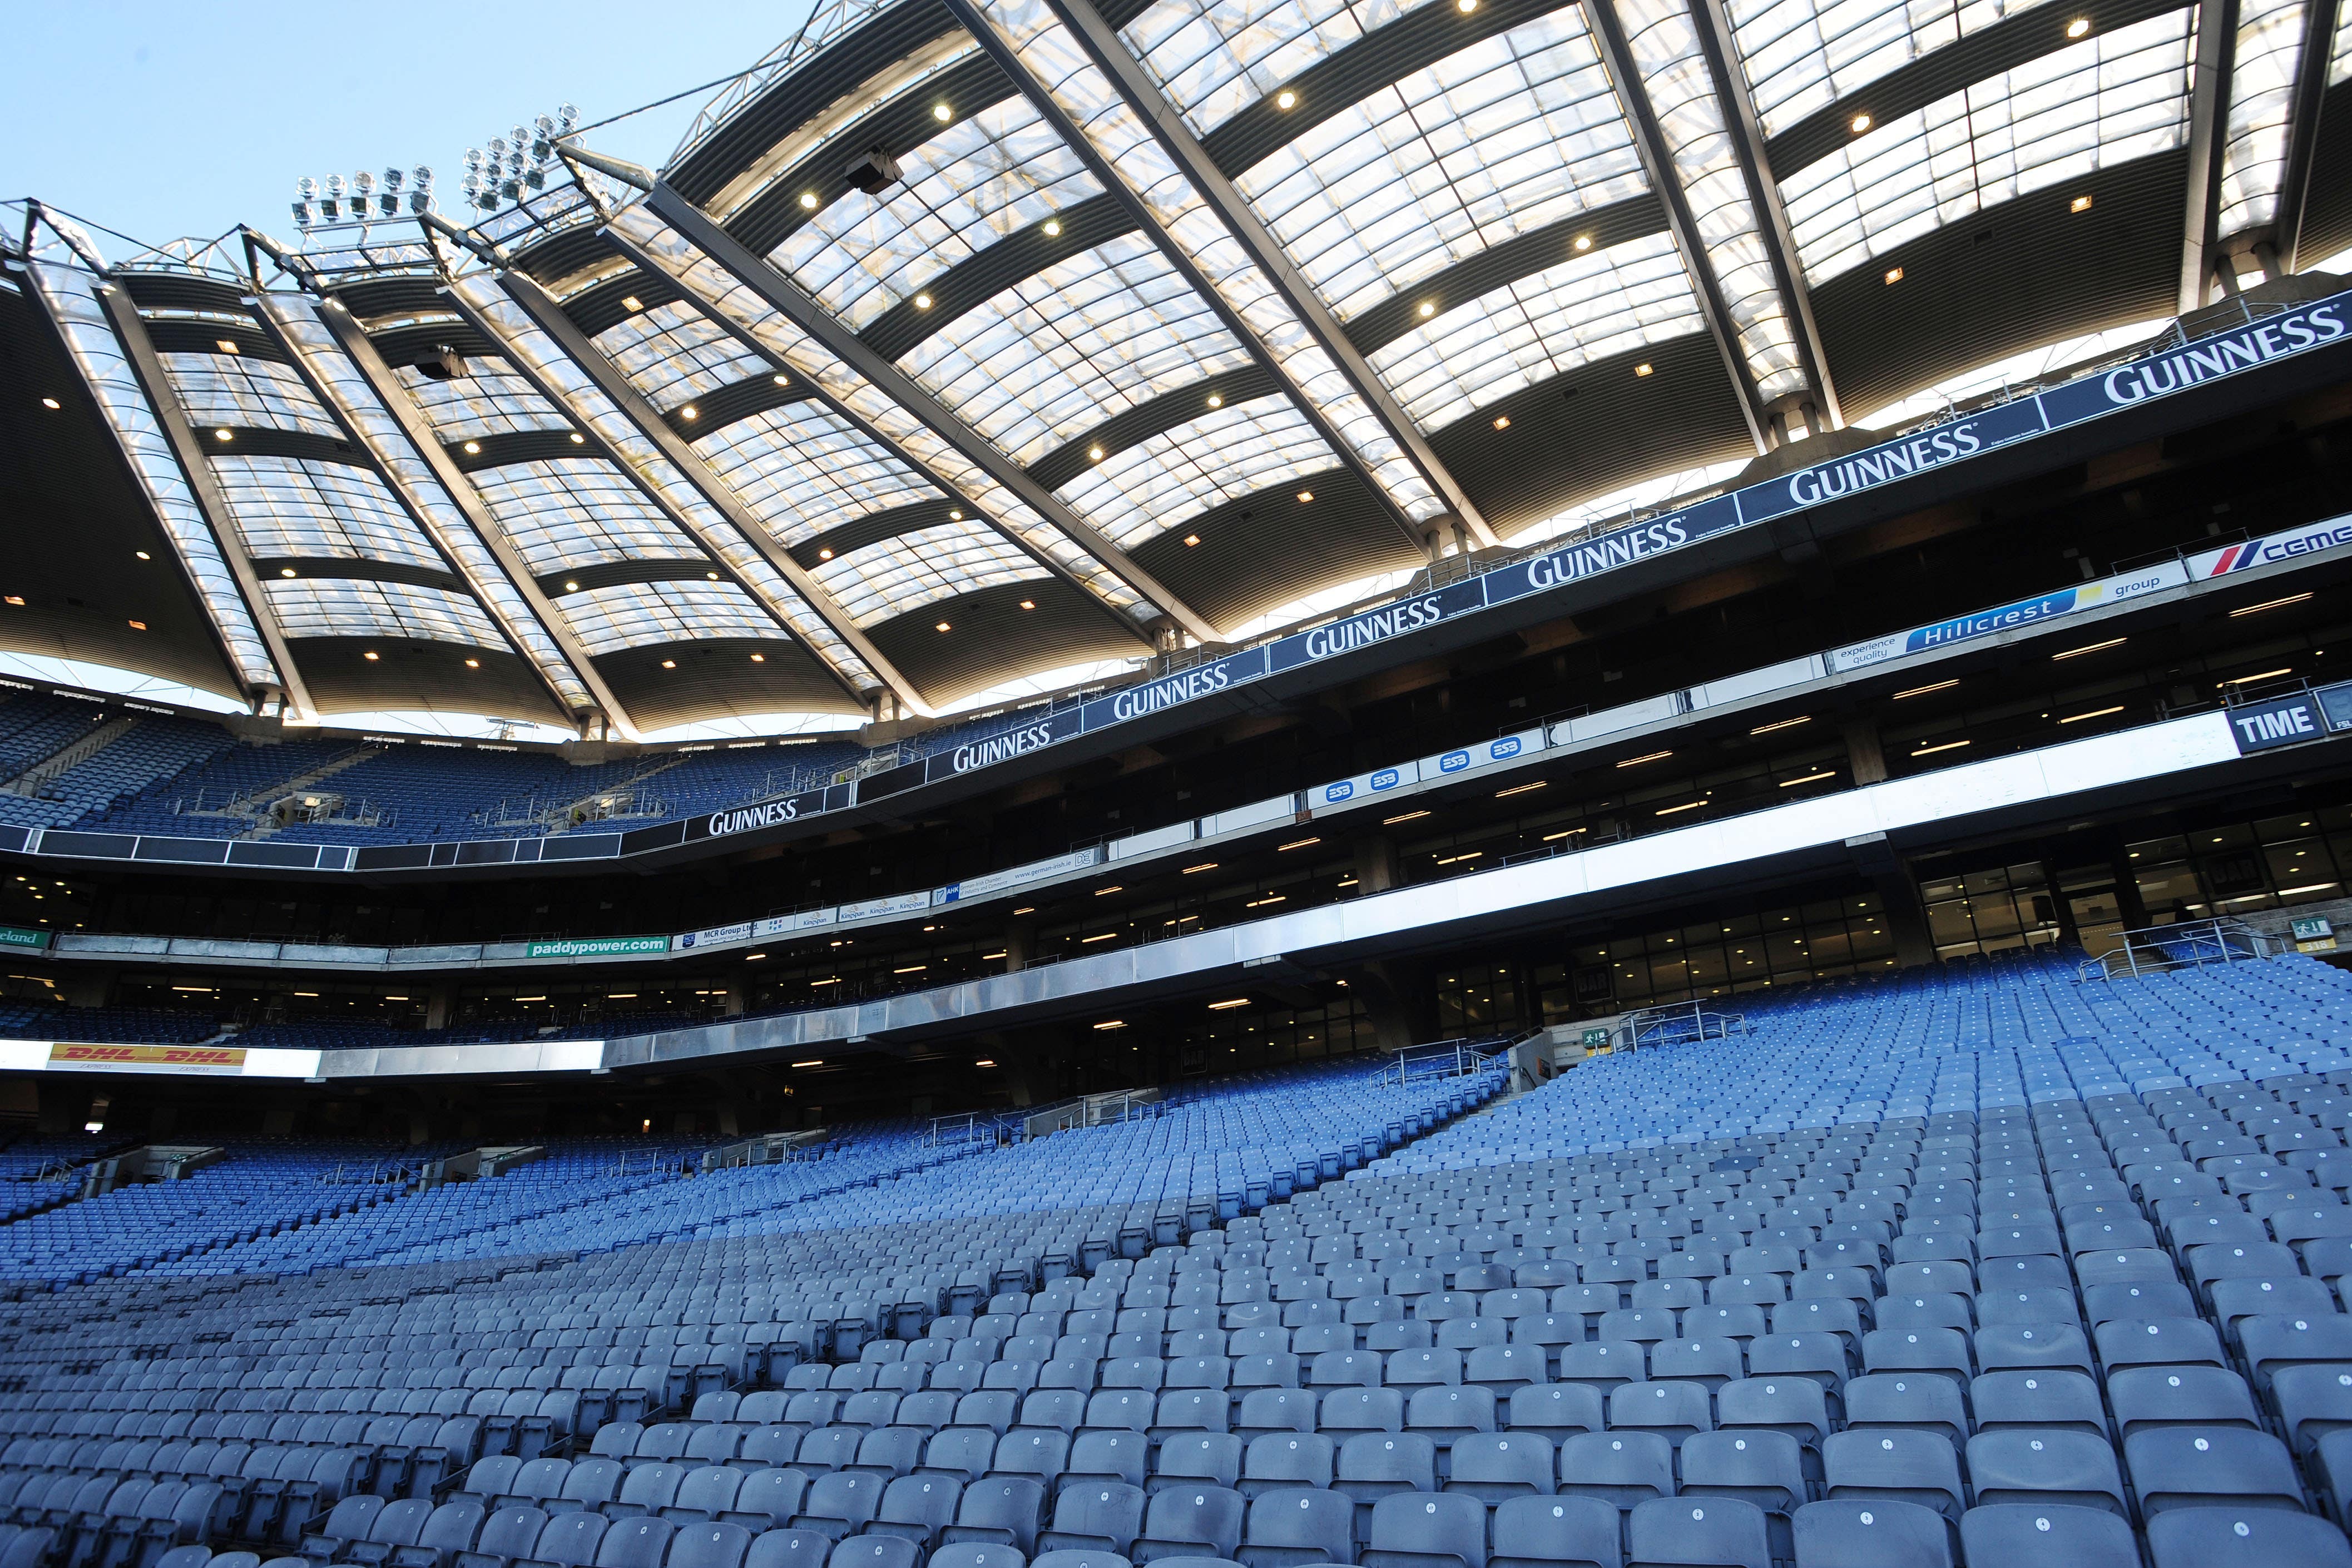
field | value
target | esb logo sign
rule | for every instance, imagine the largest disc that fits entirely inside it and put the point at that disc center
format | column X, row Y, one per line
column 2286, row 721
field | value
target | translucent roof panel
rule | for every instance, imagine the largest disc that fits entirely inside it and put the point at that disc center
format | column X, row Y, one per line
column 2113, row 98
column 1510, row 134
column 673, row 354
column 787, row 344
column 568, row 512
column 345, row 607
column 1601, row 303
column 1804, row 54
column 489, row 399
column 2339, row 58
column 978, row 180
column 2262, row 99
column 247, row 392
column 803, row 469
column 1215, row 57
column 1145, row 490
column 288, row 506
column 634, row 615
column 1665, row 45
column 1059, row 353
column 892, row 577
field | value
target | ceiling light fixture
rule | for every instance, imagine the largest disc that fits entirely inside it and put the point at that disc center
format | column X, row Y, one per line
column 1407, row 817
column 1502, row 421
column 781, row 381
column 1228, row 1003
column 669, row 664
column 579, row 440
column 1304, row 496
column 1859, row 123
column 1642, row 369
column 1094, row 454
column 473, row 664
column 1894, row 274
column 1810, row 777
column 1923, row 691
column 2088, row 648
column 1191, row 539
column 142, row 626
column 2078, row 26
column 758, row 658
column 942, row 113
column 826, row 553
column 1782, row 724
column 943, row 626
column 2081, row 203
column 221, row 435
column 1204, row 866
column 1648, row 757
column 1216, row 400
column 633, row 303
column 1296, row 845
column 473, row 448
column 2094, row 713
column 1028, row 605
column 712, row 575
column 285, row 571
column 1053, row 228
column 1112, row 1023
column 2268, row 604
column 1584, row 241
column 923, row 302
column 17, row 600
column 369, row 655
column 1286, row 98
column 1948, row 746
column 51, row 403
column 808, row 201
column 225, row 345
column 1428, row 308
column 571, row 588
column 689, row 411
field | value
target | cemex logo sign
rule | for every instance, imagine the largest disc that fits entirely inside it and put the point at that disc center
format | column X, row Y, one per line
column 2284, row 721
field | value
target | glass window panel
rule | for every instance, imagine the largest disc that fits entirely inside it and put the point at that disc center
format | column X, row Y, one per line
column 1002, row 169
column 2110, row 98
column 489, row 399
column 349, row 607
column 567, row 512
column 1801, row 54
column 893, row 576
column 1059, row 353
column 673, row 354
column 803, row 469
column 233, row 390
column 632, row 614
column 1598, row 304
column 1214, row 58
column 1145, row 490
column 2262, row 97
column 285, row 507
column 1508, row 135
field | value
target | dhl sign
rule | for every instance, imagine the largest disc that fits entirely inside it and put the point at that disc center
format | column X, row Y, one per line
column 63, row 1055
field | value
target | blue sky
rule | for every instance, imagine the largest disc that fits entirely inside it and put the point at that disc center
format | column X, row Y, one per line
column 165, row 119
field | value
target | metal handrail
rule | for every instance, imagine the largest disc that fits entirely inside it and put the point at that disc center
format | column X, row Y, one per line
column 1675, row 1023
column 2189, row 945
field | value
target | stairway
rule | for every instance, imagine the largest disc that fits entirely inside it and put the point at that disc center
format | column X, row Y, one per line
column 83, row 747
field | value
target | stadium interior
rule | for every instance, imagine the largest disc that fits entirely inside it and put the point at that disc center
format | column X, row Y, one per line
column 1458, row 784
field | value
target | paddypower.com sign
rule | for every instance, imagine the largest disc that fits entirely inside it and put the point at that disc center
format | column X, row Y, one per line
column 599, row 947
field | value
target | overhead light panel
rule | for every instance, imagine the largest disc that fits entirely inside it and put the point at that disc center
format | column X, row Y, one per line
column 2268, row 604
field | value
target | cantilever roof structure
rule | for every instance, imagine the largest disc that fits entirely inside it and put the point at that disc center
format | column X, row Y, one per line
column 968, row 341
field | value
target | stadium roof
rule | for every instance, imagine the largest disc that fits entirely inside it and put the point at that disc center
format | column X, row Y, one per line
column 971, row 341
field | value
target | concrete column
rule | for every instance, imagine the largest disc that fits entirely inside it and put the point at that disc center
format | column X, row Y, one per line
column 1376, row 864
column 86, row 986
column 1020, row 946
column 440, row 1001
column 738, row 993
column 1863, row 753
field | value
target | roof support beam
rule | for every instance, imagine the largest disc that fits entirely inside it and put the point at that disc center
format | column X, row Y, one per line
column 2209, row 100
column 1617, row 59
column 1715, row 36
column 606, row 444
column 2302, row 125
column 780, row 294
column 814, row 393
column 173, row 415
column 404, row 411
column 650, row 425
column 1135, row 86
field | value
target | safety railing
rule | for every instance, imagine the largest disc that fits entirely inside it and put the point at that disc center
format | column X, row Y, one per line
column 1443, row 1059
column 2187, row 944
column 1674, row 1023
